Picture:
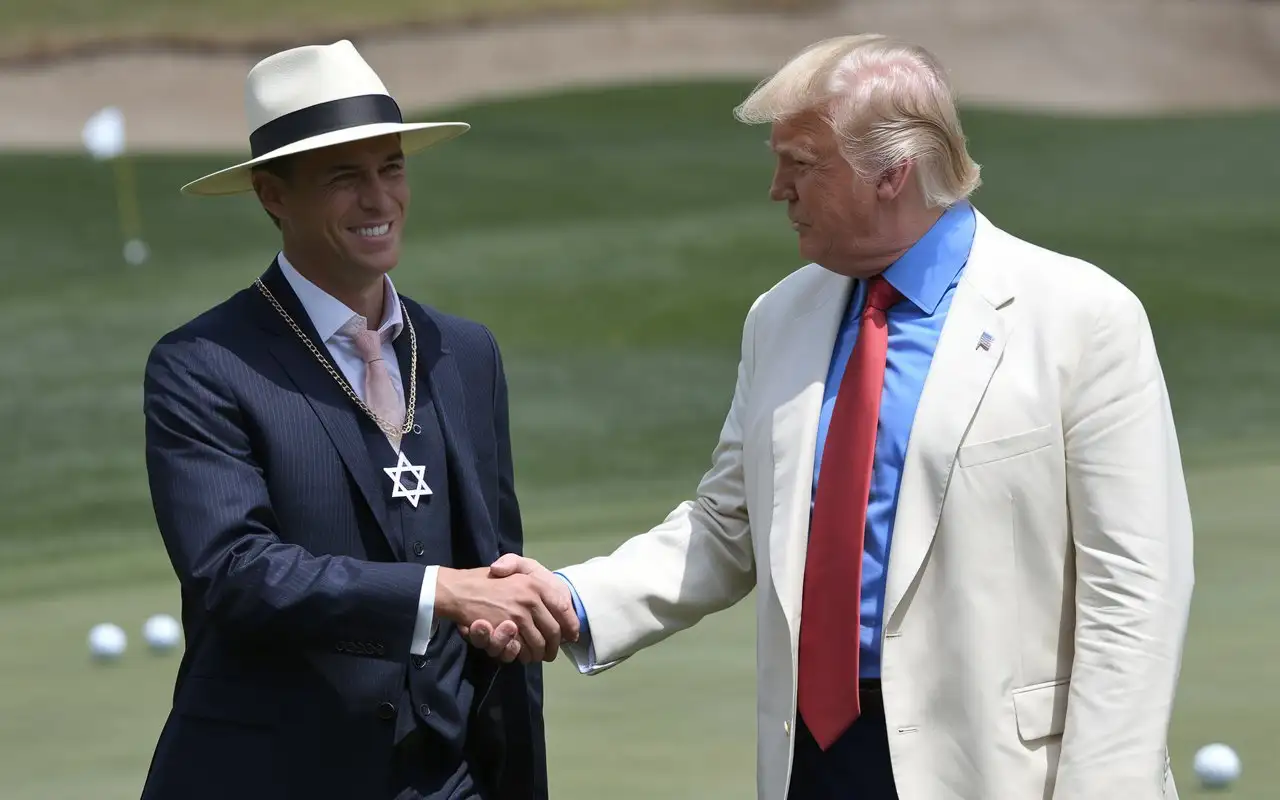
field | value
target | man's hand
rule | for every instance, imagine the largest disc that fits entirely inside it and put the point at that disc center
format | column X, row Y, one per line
column 507, row 604
column 500, row 640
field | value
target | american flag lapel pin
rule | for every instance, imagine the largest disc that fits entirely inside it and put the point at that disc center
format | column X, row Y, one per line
column 985, row 340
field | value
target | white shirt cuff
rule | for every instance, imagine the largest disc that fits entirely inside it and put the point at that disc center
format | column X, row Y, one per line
column 425, row 627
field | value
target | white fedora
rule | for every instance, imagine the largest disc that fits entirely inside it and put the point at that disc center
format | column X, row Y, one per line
column 317, row 96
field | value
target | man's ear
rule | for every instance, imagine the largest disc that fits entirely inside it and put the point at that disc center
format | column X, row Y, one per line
column 894, row 180
column 270, row 191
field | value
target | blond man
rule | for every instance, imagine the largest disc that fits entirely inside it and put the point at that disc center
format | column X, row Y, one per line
column 949, row 470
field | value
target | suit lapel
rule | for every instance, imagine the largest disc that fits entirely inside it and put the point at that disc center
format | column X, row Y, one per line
column 958, row 378
column 441, row 385
column 809, row 338
column 336, row 411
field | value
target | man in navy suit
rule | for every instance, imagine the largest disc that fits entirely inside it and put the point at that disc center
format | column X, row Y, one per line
column 331, row 472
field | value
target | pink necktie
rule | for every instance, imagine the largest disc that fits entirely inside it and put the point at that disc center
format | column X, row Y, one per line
column 379, row 390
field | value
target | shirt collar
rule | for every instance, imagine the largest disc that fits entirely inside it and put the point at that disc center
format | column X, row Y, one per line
column 925, row 272
column 328, row 314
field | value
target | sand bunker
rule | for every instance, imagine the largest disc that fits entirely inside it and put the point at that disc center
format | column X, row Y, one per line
column 1090, row 56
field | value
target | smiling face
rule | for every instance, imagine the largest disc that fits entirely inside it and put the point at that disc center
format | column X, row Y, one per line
column 342, row 208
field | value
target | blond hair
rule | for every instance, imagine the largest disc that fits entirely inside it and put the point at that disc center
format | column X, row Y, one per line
column 888, row 102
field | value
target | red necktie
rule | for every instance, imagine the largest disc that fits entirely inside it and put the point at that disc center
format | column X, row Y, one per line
column 831, row 610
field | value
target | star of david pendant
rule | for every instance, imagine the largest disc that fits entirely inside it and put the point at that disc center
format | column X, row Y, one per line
column 399, row 489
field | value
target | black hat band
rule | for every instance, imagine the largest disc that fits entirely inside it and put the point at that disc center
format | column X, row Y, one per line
column 335, row 115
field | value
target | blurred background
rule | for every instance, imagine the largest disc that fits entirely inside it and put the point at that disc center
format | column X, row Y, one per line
column 609, row 220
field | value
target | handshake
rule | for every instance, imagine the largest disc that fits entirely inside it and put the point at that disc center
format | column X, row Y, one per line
column 515, row 608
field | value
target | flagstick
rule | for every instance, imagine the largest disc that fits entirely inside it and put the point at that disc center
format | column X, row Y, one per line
column 127, row 198
column 129, row 214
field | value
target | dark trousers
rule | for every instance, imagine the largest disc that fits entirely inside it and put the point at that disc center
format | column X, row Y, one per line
column 423, row 769
column 857, row 766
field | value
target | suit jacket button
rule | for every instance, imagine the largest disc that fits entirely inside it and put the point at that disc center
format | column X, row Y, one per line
column 425, row 710
column 386, row 711
column 418, row 549
column 419, row 662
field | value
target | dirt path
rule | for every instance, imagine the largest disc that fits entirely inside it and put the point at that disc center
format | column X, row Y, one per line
column 1093, row 56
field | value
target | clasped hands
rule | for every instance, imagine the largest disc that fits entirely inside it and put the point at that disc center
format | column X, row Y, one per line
column 515, row 608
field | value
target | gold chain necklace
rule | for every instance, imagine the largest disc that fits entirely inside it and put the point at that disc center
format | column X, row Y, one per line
column 386, row 427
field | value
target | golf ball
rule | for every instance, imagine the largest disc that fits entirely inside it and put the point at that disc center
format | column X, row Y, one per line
column 162, row 632
column 136, row 251
column 1217, row 765
column 107, row 642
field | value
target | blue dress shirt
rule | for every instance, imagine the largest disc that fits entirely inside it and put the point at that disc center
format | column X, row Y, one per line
column 927, row 276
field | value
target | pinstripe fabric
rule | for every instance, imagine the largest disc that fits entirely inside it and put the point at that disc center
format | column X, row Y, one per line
column 297, row 612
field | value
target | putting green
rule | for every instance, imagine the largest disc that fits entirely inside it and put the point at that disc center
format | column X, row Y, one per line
column 613, row 241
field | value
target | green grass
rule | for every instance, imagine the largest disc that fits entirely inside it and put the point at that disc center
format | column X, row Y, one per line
column 613, row 240
column 47, row 27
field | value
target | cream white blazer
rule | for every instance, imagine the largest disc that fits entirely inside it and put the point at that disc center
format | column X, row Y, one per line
column 1040, row 571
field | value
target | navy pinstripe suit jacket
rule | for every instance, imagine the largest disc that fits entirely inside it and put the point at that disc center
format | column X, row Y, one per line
column 298, row 617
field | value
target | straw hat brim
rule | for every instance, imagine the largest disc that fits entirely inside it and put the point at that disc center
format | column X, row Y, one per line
column 414, row 136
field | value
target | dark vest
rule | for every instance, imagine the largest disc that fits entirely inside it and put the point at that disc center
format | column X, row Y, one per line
column 437, row 691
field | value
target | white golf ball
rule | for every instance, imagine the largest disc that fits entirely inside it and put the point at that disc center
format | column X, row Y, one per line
column 107, row 642
column 1217, row 765
column 136, row 251
column 162, row 632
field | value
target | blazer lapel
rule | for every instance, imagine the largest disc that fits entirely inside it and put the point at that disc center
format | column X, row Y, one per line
column 332, row 405
column 968, row 351
column 805, row 354
column 442, row 384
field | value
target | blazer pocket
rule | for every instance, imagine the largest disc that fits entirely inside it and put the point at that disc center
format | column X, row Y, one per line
column 245, row 703
column 1041, row 709
column 1006, row 447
